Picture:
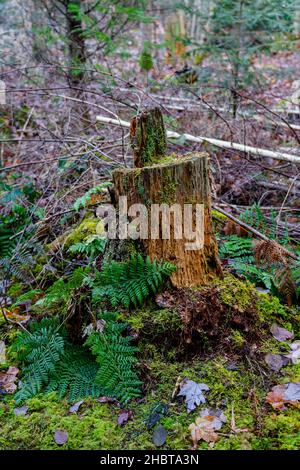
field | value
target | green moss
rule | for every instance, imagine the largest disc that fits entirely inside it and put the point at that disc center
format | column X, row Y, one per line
column 88, row 226
column 169, row 189
column 236, row 293
column 94, row 427
column 237, row 338
column 270, row 307
column 156, row 327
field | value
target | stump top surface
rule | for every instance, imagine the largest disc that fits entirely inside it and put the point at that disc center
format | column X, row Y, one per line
column 168, row 161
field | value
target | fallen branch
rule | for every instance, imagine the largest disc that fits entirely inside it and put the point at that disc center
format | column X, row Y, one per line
column 217, row 143
column 253, row 230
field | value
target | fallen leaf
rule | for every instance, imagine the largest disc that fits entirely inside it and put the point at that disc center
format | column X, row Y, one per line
column 107, row 400
column 294, row 356
column 281, row 334
column 15, row 316
column 192, row 391
column 276, row 361
column 22, row 411
column 61, row 437
column 156, row 413
column 204, row 428
column 284, row 394
column 124, row 416
column 198, row 433
column 7, row 380
column 216, row 418
column 74, row 408
column 159, row 436
column 2, row 352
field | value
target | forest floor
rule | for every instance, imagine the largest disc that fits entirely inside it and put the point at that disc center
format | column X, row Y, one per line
column 229, row 365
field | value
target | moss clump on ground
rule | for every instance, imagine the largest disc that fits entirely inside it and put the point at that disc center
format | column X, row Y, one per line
column 93, row 427
column 238, row 385
column 235, row 292
column 88, row 226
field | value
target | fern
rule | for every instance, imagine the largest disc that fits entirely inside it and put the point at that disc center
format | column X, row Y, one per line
column 75, row 375
column 52, row 364
column 295, row 272
column 40, row 349
column 85, row 199
column 132, row 281
column 6, row 244
column 255, row 274
column 60, row 290
column 116, row 358
column 235, row 247
column 92, row 246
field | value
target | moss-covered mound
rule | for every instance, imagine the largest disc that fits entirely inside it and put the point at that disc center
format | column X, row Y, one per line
column 215, row 335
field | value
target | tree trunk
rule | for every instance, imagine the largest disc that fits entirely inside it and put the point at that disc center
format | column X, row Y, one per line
column 183, row 181
column 77, row 51
column 148, row 137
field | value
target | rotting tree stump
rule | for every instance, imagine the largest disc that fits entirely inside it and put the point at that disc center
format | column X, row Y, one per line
column 172, row 189
column 148, row 137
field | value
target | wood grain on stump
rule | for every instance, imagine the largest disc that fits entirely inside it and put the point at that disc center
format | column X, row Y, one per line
column 177, row 181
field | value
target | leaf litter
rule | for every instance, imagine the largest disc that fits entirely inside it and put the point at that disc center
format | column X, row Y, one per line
column 193, row 393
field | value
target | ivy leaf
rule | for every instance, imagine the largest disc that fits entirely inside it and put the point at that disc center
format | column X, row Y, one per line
column 192, row 391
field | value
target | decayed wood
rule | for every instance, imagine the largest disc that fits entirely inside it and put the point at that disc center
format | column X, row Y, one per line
column 217, row 143
column 148, row 137
column 181, row 181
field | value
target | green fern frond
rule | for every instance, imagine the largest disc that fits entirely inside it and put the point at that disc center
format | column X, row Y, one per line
column 92, row 246
column 131, row 282
column 237, row 247
column 40, row 349
column 116, row 358
column 83, row 200
column 75, row 375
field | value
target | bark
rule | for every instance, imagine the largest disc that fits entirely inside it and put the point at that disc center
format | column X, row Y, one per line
column 148, row 137
column 77, row 52
column 181, row 181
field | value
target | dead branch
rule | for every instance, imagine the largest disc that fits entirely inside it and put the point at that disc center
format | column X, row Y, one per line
column 216, row 142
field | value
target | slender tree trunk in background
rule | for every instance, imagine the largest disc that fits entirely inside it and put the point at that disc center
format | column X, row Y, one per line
column 296, row 22
column 77, row 57
column 77, row 52
column 176, row 183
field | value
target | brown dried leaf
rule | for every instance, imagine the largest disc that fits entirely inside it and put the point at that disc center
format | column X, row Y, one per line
column 204, row 428
column 124, row 417
column 284, row 394
column 8, row 379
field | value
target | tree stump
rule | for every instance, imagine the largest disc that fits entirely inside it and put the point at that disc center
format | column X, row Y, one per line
column 184, row 182
column 173, row 196
column 148, row 137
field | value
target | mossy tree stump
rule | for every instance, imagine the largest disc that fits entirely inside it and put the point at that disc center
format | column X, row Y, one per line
column 164, row 182
column 148, row 137
column 184, row 181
